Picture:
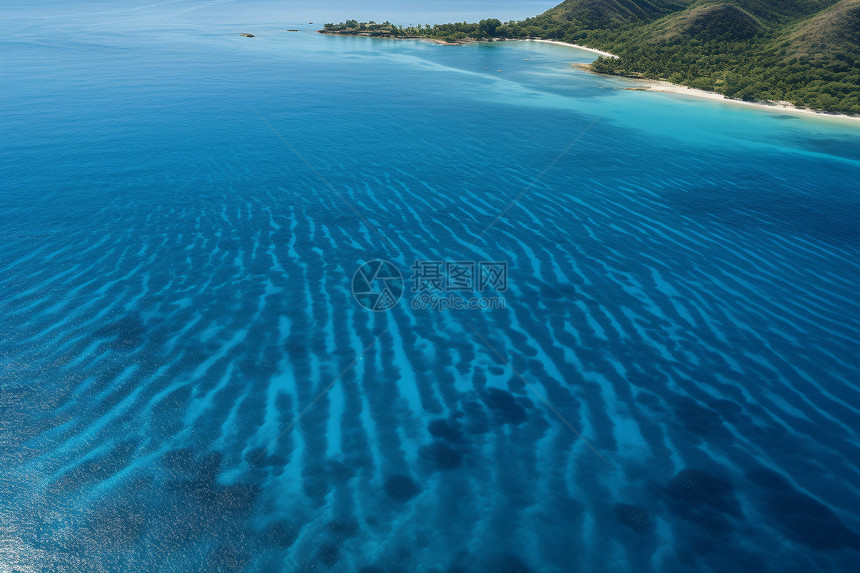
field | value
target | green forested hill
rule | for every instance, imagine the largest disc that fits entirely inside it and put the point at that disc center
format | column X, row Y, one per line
column 603, row 13
column 806, row 52
column 803, row 51
column 832, row 33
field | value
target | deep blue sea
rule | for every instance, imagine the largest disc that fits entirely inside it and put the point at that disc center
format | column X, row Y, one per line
column 671, row 381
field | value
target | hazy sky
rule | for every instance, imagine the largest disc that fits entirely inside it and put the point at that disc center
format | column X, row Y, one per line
column 194, row 12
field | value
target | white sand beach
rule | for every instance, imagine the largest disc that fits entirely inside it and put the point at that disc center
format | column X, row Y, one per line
column 667, row 87
column 779, row 106
column 577, row 46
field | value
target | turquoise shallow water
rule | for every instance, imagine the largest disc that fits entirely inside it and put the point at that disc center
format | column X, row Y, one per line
column 189, row 384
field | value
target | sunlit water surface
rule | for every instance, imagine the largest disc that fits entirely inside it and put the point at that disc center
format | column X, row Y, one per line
column 189, row 384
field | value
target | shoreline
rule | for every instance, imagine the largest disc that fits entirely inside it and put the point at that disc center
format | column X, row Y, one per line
column 661, row 86
column 577, row 46
column 642, row 84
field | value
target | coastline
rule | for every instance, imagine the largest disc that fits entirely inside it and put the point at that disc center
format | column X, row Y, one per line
column 780, row 106
column 660, row 86
column 577, row 46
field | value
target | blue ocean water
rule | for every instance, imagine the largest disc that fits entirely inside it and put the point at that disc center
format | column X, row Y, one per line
column 187, row 382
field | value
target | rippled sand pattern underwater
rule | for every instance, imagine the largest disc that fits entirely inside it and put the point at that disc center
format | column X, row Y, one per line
column 188, row 383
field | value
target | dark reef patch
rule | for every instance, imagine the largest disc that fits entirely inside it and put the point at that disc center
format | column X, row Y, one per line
column 799, row 517
column 338, row 472
column 706, row 500
column 328, row 554
column 728, row 409
column 401, row 488
column 476, row 421
column 632, row 516
column 343, row 528
column 505, row 405
column 509, row 564
column 441, row 456
column 281, row 534
column 316, row 487
column 650, row 400
column 806, row 520
column 445, row 430
column 698, row 419
column 698, row 487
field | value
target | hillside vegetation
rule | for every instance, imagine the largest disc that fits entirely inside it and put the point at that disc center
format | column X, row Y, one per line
column 806, row 52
